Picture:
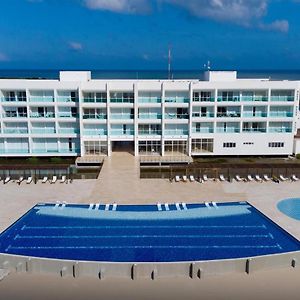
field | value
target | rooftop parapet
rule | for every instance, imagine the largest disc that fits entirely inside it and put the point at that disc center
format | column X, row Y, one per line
column 75, row 76
column 220, row 76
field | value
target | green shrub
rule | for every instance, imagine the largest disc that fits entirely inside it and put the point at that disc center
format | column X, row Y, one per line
column 298, row 155
column 33, row 160
column 56, row 160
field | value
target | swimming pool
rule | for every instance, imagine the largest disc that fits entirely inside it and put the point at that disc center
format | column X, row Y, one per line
column 290, row 207
column 145, row 233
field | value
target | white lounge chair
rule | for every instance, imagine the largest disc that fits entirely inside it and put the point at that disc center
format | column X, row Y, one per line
column 207, row 205
column 184, row 206
column 167, row 206
column 54, row 179
column 238, row 178
column 184, row 178
column 45, row 179
column 214, row 205
column 282, row 178
column 250, row 178
column 177, row 178
column 177, row 206
column 115, row 205
column 19, row 181
column 7, row 180
column 192, row 178
column 29, row 180
column 294, row 178
column 159, row 208
column 205, row 178
column 222, row 178
column 267, row 178
column 63, row 179
column 257, row 178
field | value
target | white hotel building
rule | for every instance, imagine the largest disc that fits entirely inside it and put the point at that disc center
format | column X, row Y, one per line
column 79, row 116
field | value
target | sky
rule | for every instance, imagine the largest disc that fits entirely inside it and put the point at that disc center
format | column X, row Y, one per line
column 136, row 34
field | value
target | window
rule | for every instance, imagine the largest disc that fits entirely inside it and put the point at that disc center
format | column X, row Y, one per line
column 202, row 145
column 229, row 145
column 176, row 147
column 95, row 148
column 276, row 145
column 149, row 147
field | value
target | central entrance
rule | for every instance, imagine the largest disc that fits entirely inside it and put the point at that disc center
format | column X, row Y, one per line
column 123, row 146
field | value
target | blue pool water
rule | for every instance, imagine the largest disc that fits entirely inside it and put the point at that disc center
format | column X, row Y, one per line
column 144, row 234
column 290, row 207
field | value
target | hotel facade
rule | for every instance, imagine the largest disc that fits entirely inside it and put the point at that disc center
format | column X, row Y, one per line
column 79, row 116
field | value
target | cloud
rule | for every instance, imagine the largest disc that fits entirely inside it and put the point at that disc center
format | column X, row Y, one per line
column 3, row 57
column 75, row 46
column 278, row 25
column 120, row 6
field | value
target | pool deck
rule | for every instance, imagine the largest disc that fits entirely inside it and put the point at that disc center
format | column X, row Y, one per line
column 119, row 182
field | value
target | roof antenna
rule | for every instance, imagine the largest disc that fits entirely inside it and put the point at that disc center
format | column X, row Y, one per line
column 169, row 62
column 207, row 66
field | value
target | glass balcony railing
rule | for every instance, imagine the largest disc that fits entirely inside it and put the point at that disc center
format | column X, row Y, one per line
column 149, row 132
column 67, row 99
column 149, row 100
column 95, row 116
column 204, row 99
column 55, row 151
column 229, row 115
column 41, row 99
column 15, row 131
column 42, row 115
column 94, row 132
column 43, row 131
column 94, row 100
column 255, row 98
column 120, row 132
column 68, row 130
column 122, row 100
column 228, row 130
column 14, row 115
column 176, row 116
column 229, row 99
column 255, row 115
column 203, row 130
column 67, row 115
column 255, row 130
column 153, row 116
column 204, row 115
column 280, row 130
column 177, row 100
column 281, row 114
column 14, row 151
column 121, row 116
column 283, row 98
column 13, row 99
column 176, row 132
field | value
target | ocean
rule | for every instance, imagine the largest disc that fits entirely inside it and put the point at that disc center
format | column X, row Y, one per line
column 151, row 74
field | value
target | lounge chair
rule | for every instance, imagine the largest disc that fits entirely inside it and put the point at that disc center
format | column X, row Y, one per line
column 177, row 178
column 258, row 178
column 19, row 181
column 192, row 178
column 184, row 206
column 63, row 179
column 29, row 180
column 250, row 178
column 214, row 205
column 266, row 177
column 222, row 178
column 177, row 206
column 205, row 178
column 159, row 208
column 184, row 178
column 294, row 178
column 54, row 179
column 238, row 178
column 282, row 178
column 45, row 179
column 7, row 180
column 167, row 206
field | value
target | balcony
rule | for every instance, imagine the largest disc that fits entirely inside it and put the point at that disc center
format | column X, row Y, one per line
column 177, row 100
column 94, row 132
column 229, row 99
column 122, row 100
column 95, row 116
column 255, row 130
column 281, row 114
column 94, row 100
column 150, row 116
column 14, row 115
column 229, row 115
column 282, row 98
column 116, row 116
column 15, row 131
column 280, row 130
column 55, row 151
column 14, row 151
column 68, row 131
column 149, row 100
column 204, row 115
column 66, row 99
column 228, row 130
column 255, row 115
column 203, row 99
column 149, row 132
column 176, row 116
column 47, row 115
column 67, row 115
column 120, row 132
column 43, row 131
column 176, row 132
column 13, row 99
column 203, row 130
column 41, row 99
column 255, row 98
